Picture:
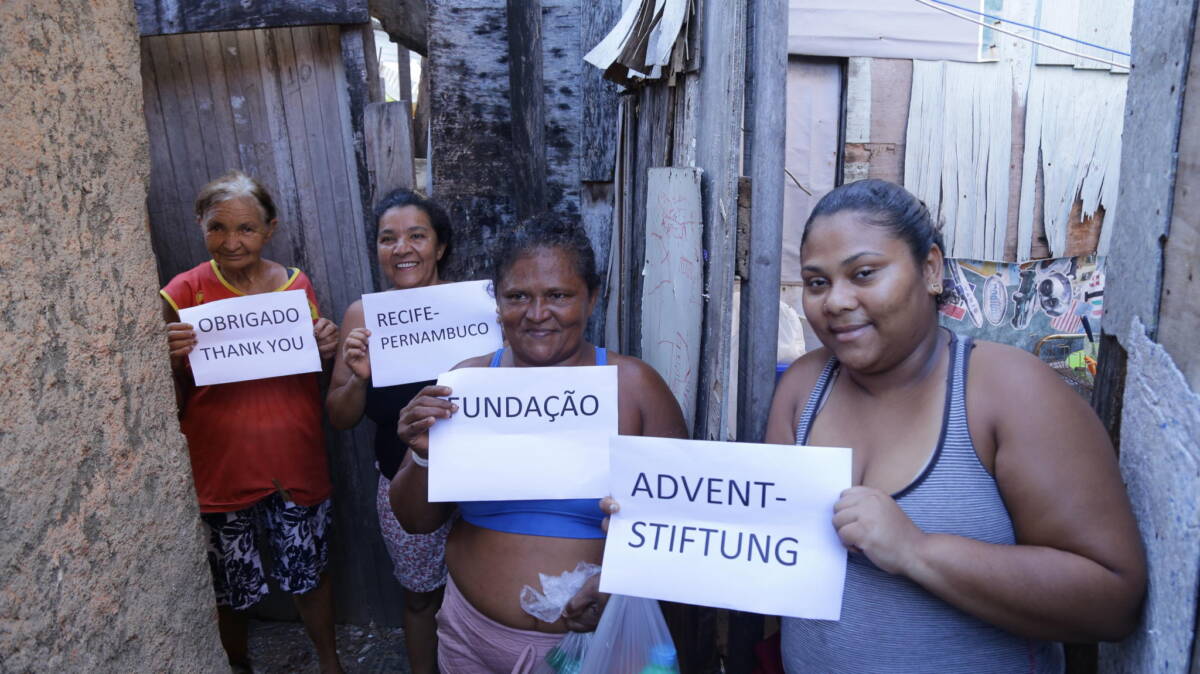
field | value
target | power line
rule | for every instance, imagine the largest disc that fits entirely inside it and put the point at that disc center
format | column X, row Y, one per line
column 1033, row 28
column 931, row 5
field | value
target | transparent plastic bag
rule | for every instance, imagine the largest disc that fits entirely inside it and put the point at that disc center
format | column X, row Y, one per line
column 567, row 656
column 632, row 638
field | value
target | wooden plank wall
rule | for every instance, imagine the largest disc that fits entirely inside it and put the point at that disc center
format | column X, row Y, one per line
column 277, row 104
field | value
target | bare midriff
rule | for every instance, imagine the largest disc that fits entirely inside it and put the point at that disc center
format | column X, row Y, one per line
column 491, row 567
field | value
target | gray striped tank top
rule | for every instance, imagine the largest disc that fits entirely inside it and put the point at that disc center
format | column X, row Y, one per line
column 891, row 624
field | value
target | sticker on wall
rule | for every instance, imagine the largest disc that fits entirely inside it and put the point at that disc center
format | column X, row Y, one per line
column 995, row 299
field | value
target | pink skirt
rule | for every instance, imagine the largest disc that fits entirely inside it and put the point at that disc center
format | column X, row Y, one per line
column 471, row 643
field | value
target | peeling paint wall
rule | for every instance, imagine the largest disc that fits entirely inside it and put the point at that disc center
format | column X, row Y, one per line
column 101, row 554
column 1160, row 461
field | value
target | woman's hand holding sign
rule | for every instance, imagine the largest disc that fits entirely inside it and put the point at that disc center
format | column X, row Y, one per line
column 418, row 417
column 870, row 522
column 356, row 354
column 326, row 333
column 181, row 339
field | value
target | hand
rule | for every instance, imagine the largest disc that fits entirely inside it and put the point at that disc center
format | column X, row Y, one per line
column 181, row 339
column 418, row 416
column 582, row 613
column 326, row 332
column 869, row 521
column 354, row 353
column 610, row 506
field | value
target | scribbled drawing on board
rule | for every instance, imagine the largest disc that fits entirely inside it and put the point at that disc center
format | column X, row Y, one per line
column 995, row 299
column 680, row 369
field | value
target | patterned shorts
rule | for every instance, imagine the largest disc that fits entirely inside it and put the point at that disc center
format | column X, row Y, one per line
column 299, row 548
column 418, row 560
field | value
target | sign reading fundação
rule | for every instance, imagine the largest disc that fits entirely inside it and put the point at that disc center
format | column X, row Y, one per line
column 756, row 518
column 419, row 333
column 524, row 433
column 252, row 337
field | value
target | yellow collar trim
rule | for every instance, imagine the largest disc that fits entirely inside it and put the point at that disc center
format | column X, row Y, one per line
column 293, row 273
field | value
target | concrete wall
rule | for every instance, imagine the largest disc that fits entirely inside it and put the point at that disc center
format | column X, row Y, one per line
column 101, row 558
column 1151, row 312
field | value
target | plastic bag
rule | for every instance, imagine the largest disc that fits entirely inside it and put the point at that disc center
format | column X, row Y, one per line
column 632, row 638
column 567, row 656
column 791, row 334
column 548, row 604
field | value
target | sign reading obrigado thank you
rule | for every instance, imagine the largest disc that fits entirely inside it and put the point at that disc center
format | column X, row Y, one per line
column 252, row 337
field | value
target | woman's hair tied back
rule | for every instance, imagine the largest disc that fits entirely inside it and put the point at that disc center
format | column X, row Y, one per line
column 547, row 230
column 234, row 184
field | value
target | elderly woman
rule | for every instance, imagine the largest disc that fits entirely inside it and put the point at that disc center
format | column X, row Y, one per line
column 989, row 521
column 546, row 286
column 413, row 243
column 257, row 449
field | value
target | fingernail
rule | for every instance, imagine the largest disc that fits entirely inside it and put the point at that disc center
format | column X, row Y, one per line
column 453, row 407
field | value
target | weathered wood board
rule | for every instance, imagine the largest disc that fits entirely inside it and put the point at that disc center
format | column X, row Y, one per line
column 169, row 17
column 277, row 104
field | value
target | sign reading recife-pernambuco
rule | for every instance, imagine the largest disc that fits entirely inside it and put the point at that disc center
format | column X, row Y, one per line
column 419, row 333
column 252, row 337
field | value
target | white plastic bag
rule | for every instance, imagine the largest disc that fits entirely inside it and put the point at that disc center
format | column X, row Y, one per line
column 632, row 638
column 567, row 656
column 556, row 592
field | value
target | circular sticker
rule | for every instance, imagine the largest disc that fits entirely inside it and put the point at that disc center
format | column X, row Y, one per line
column 995, row 299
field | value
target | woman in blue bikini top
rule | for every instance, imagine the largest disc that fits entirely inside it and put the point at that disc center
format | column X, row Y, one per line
column 546, row 287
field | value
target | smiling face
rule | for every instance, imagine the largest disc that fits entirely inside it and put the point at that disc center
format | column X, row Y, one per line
column 544, row 306
column 408, row 248
column 235, row 233
column 868, row 300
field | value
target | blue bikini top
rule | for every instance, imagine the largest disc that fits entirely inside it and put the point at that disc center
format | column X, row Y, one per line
column 565, row 518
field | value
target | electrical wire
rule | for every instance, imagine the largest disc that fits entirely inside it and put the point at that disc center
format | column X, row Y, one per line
column 1033, row 28
column 931, row 5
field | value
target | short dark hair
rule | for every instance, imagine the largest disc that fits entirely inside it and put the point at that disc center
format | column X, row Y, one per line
column 886, row 205
column 399, row 198
column 547, row 230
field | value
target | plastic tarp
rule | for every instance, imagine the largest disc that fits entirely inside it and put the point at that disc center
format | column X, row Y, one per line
column 901, row 29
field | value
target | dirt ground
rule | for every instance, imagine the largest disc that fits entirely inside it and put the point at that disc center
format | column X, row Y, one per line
column 283, row 647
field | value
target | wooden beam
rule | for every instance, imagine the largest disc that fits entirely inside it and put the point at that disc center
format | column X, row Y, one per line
column 169, row 17
column 388, row 135
column 527, row 101
column 404, row 22
column 717, row 134
column 600, row 97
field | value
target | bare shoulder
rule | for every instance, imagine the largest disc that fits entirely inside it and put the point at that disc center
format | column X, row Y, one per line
column 800, row 377
column 629, row 367
column 1005, row 368
column 483, row 360
column 354, row 317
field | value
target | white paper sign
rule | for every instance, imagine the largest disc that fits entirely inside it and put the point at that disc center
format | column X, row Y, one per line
column 252, row 337
column 731, row 525
column 419, row 333
column 524, row 433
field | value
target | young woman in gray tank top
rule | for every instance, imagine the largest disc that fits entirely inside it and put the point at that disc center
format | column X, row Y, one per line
column 989, row 521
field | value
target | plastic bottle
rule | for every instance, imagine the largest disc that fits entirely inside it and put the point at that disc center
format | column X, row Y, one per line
column 663, row 660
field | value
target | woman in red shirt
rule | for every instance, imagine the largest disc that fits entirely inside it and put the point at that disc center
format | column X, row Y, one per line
column 257, row 448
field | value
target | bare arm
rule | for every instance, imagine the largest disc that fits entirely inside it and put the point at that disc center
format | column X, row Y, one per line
column 1078, row 570
column 347, row 396
column 409, row 493
column 647, row 406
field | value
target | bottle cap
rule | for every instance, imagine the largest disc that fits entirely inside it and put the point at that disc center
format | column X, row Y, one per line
column 663, row 655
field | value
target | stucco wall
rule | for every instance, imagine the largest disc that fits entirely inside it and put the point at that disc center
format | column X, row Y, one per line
column 101, row 559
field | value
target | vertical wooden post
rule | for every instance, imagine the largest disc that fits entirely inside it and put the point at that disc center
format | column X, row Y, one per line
column 527, row 101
